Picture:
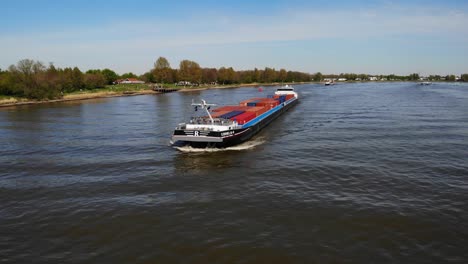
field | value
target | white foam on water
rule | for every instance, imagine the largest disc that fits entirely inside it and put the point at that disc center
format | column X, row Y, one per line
column 244, row 146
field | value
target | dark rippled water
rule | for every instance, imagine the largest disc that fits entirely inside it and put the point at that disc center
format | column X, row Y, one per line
column 363, row 173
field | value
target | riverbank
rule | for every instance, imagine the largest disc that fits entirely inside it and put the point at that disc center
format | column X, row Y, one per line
column 73, row 97
column 237, row 86
column 121, row 90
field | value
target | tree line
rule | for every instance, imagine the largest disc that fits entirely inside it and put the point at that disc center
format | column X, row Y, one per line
column 32, row 79
column 191, row 71
column 390, row 77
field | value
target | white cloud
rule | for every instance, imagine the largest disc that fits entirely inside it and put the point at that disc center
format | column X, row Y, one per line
column 104, row 42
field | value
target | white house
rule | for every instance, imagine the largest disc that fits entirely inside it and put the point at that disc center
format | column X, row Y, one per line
column 129, row 80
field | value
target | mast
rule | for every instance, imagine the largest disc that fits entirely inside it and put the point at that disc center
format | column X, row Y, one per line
column 205, row 106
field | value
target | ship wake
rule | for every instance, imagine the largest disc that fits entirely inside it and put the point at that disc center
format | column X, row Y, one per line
column 244, row 146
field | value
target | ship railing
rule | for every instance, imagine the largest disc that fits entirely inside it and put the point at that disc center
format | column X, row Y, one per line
column 181, row 126
column 207, row 121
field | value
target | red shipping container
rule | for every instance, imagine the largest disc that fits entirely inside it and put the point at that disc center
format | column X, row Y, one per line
column 219, row 109
column 226, row 108
column 258, row 110
column 244, row 103
column 220, row 113
column 268, row 103
column 231, row 108
column 244, row 117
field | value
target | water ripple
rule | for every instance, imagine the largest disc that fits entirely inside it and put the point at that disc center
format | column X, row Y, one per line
column 354, row 172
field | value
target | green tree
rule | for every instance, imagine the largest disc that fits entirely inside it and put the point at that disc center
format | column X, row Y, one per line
column 77, row 79
column 66, row 80
column 94, row 80
column 148, row 77
column 282, row 75
column 162, row 71
column 93, row 71
column 257, row 75
column 227, row 75
column 245, row 76
column 128, row 75
column 464, row 77
column 162, row 63
column 33, row 80
column 209, row 75
column 232, row 75
column 190, row 71
column 223, row 76
column 450, row 78
column 269, row 75
column 109, row 76
column 5, row 83
column 318, row 77
column 22, row 81
column 413, row 77
column 363, row 77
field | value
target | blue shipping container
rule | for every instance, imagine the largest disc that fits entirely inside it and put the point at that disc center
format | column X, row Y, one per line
column 231, row 114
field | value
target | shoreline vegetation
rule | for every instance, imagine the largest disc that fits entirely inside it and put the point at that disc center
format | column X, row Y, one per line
column 31, row 82
column 120, row 90
column 123, row 90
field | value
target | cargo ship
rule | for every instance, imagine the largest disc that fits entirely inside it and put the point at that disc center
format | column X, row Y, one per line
column 227, row 126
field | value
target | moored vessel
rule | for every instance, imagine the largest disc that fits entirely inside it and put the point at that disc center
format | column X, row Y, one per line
column 227, row 126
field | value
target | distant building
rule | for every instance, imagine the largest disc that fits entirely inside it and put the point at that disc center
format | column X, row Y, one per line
column 129, row 80
column 373, row 78
column 183, row 83
column 342, row 79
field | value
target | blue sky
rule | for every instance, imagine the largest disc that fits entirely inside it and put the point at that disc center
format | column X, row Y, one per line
column 400, row 37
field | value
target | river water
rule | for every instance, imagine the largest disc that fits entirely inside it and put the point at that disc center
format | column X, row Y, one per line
column 355, row 173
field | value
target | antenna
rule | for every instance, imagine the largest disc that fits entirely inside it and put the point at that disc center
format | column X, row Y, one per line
column 206, row 106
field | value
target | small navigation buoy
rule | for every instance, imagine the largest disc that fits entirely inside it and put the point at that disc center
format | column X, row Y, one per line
column 260, row 89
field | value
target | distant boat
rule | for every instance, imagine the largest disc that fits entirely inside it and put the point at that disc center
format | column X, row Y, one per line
column 329, row 82
column 425, row 83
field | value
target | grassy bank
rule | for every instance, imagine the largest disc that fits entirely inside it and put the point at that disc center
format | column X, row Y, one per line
column 121, row 90
column 108, row 91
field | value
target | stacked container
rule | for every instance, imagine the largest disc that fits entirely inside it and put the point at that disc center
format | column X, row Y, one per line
column 258, row 110
column 229, row 108
column 252, row 100
column 219, row 113
column 244, row 117
column 268, row 103
column 231, row 114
